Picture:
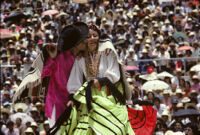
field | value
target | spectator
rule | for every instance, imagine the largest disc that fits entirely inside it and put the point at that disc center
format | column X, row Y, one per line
column 10, row 129
column 158, row 106
column 196, row 84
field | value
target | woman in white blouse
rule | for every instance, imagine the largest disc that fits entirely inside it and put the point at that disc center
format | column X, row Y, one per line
column 96, row 83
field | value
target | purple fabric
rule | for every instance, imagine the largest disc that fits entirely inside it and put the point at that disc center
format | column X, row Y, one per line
column 59, row 71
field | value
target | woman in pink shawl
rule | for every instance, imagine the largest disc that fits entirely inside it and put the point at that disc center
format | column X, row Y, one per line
column 58, row 68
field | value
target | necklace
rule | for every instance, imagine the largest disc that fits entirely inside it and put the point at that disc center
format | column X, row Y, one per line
column 92, row 65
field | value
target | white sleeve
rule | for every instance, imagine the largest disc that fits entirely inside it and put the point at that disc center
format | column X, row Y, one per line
column 76, row 77
column 112, row 71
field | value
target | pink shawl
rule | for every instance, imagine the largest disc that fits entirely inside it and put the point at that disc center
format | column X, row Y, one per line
column 58, row 70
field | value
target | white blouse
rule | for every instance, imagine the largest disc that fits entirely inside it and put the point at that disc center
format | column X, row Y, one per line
column 108, row 67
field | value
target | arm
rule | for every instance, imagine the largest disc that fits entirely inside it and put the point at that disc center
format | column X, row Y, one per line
column 75, row 80
column 112, row 71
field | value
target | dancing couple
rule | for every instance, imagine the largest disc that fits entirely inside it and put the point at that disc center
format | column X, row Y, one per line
column 96, row 90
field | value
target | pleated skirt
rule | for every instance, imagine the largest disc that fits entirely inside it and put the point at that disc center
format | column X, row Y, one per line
column 105, row 118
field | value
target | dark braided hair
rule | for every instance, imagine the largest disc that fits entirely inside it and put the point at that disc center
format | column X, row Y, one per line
column 95, row 28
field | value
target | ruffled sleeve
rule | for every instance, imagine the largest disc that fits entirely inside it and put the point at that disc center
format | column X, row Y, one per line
column 76, row 76
column 112, row 71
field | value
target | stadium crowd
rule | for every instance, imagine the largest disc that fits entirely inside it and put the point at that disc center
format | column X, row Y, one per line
column 163, row 33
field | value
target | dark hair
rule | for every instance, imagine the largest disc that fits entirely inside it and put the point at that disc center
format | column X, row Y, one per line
column 156, row 99
column 10, row 123
column 194, row 127
column 95, row 28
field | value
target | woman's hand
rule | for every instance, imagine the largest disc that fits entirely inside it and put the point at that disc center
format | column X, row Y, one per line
column 96, row 83
column 52, row 51
column 70, row 103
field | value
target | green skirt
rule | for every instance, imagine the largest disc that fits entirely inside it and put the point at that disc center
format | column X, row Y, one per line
column 105, row 118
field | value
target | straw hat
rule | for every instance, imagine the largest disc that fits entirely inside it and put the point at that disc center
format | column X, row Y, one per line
column 155, row 25
column 169, row 132
column 146, row 18
column 5, row 110
column 177, row 8
column 165, row 92
column 165, row 113
column 171, row 12
column 135, row 14
column 91, row 11
column 158, row 45
column 179, row 91
column 150, row 91
column 103, row 19
column 185, row 100
column 195, row 77
column 129, row 80
column 179, row 105
column 46, row 122
column 178, row 70
column 34, row 124
column 34, row 109
column 119, row 5
column 189, row 19
column 22, row 106
column 189, row 105
column 137, row 42
column 167, row 21
column 13, row 26
column 140, row 37
column 148, row 41
column 144, row 51
column 147, row 46
column 193, row 92
column 131, row 50
column 130, row 15
column 38, row 104
column 191, row 34
column 154, row 33
column 29, row 130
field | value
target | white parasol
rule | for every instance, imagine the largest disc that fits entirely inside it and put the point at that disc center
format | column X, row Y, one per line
column 149, row 77
column 155, row 85
column 164, row 74
column 24, row 117
column 195, row 68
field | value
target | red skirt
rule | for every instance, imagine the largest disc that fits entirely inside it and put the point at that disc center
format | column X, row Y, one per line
column 143, row 121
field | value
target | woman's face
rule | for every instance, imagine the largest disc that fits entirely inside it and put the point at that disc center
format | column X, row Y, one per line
column 93, row 40
column 188, row 131
column 150, row 96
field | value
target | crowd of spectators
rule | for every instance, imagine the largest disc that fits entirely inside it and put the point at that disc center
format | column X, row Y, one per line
column 139, row 29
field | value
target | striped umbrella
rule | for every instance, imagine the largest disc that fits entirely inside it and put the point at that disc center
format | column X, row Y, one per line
column 50, row 12
column 185, row 48
column 5, row 33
